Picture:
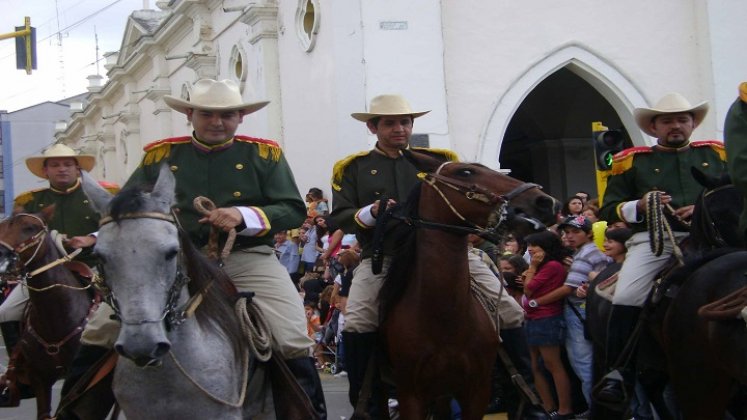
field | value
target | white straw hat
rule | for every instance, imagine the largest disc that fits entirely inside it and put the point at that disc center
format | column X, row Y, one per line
column 213, row 95
column 36, row 163
column 387, row 105
column 672, row 103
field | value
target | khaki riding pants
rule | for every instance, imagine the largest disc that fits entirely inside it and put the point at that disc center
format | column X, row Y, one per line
column 639, row 269
column 251, row 270
column 13, row 306
column 363, row 306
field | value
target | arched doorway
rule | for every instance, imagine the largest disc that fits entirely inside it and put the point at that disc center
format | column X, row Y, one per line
column 541, row 127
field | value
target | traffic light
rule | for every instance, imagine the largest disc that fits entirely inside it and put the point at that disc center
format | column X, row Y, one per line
column 26, row 47
column 606, row 144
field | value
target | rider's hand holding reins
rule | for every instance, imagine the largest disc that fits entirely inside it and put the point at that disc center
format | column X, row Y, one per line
column 80, row 241
column 223, row 218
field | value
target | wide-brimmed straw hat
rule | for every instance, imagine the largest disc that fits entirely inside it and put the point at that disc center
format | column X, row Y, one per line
column 36, row 163
column 213, row 95
column 387, row 105
column 672, row 103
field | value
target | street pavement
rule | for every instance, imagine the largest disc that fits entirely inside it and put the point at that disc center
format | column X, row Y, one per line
column 335, row 392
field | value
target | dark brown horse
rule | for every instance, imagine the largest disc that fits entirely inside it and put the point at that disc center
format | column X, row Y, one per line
column 707, row 348
column 59, row 304
column 438, row 337
column 704, row 359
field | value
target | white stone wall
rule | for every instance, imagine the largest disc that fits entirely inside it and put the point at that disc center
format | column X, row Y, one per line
column 471, row 62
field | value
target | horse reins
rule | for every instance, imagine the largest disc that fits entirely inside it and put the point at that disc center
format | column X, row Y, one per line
column 658, row 224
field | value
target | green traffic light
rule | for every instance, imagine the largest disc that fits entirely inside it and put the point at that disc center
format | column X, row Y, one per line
column 608, row 157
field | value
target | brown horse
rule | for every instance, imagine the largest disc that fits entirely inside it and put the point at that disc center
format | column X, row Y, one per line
column 438, row 337
column 59, row 304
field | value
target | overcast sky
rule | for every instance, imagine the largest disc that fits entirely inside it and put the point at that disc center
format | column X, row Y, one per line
column 64, row 61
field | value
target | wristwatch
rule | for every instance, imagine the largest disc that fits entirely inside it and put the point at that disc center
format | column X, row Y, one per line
column 533, row 303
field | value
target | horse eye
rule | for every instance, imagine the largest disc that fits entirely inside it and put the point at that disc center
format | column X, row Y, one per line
column 465, row 172
column 171, row 254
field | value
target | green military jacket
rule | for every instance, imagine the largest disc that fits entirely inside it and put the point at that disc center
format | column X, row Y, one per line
column 73, row 216
column 638, row 170
column 244, row 171
column 363, row 178
column 735, row 137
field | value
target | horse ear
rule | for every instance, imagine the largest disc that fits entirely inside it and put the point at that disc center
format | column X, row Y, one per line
column 165, row 187
column 424, row 163
column 98, row 196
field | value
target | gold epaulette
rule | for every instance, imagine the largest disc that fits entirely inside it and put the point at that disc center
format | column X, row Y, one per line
column 340, row 166
column 25, row 197
column 622, row 161
column 156, row 151
column 743, row 91
column 448, row 154
column 267, row 148
column 110, row 186
column 715, row 145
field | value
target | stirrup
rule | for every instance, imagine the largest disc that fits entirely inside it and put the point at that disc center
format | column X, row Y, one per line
column 611, row 380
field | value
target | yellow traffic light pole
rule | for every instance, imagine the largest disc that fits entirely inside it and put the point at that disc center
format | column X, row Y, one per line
column 26, row 33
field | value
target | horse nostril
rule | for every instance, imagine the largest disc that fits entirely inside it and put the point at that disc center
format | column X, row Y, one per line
column 161, row 349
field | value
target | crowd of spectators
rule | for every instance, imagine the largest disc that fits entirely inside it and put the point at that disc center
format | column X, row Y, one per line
column 320, row 259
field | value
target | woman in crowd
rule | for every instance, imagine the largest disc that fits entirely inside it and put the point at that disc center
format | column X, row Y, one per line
column 545, row 326
column 512, row 263
column 572, row 207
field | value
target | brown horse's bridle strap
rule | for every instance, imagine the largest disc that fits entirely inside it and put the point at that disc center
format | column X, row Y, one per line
column 34, row 241
column 472, row 192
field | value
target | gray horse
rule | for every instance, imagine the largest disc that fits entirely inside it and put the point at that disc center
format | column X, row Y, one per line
column 172, row 365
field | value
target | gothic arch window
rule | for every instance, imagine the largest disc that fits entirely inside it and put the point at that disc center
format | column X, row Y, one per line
column 307, row 22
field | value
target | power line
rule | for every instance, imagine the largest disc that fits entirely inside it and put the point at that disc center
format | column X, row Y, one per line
column 68, row 28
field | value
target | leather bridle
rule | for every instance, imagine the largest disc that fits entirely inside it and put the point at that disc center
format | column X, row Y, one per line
column 172, row 314
column 500, row 202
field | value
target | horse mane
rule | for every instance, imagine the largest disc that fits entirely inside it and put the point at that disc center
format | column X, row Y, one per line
column 217, row 307
column 399, row 272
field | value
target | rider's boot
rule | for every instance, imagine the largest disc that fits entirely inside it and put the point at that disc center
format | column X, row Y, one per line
column 11, row 335
column 304, row 370
column 613, row 388
column 359, row 348
column 10, row 397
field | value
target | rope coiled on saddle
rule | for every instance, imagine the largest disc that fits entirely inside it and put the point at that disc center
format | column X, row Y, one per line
column 255, row 328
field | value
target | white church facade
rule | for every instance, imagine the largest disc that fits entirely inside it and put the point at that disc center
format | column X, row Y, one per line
column 514, row 85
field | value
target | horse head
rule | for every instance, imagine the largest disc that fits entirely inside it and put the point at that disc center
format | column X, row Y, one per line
column 715, row 219
column 22, row 239
column 138, row 246
column 485, row 198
